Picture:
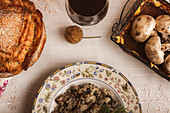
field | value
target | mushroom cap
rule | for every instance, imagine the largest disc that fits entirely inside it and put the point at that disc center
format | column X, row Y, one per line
column 163, row 24
column 142, row 27
column 153, row 50
column 167, row 64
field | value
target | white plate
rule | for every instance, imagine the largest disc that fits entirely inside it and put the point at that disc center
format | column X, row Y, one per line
column 99, row 74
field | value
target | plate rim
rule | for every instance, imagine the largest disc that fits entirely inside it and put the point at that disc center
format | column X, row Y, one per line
column 91, row 79
column 85, row 62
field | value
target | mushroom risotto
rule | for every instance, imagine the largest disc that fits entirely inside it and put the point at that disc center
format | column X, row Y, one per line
column 86, row 98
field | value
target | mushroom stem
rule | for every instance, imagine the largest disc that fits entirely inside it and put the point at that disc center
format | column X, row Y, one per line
column 165, row 47
column 154, row 33
column 165, row 38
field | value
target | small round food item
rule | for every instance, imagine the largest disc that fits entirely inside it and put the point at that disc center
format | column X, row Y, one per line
column 73, row 34
column 153, row 50
column 86, row 98
column 166, row 64
column 163, row 24
column 142, row 28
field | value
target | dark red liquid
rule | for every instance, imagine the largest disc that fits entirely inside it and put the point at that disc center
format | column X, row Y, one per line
column 87, row 7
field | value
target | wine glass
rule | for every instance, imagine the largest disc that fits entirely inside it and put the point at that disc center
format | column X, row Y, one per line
column 86, row 12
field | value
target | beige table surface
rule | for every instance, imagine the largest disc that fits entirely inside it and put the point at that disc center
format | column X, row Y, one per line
column 154, row 91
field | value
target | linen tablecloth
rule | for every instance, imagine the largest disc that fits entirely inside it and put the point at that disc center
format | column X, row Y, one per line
column 153, row 90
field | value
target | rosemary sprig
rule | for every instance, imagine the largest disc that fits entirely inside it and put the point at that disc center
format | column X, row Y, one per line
column 121, row 109
column 104, row 109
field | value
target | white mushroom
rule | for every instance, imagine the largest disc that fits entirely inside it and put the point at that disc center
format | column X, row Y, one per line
column 165, row 47
column 142, row 28
column 166, row 64
column 155, row 51
column 163, row 24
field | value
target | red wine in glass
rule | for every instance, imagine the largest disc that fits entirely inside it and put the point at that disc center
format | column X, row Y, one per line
column 87, row 12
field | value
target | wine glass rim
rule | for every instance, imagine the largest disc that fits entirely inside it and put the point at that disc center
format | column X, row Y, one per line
column 106, row 3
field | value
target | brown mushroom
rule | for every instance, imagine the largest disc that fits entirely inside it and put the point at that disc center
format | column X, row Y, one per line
column 142, row 27
column 155, row 51
column 166, row 64
column 163, row 24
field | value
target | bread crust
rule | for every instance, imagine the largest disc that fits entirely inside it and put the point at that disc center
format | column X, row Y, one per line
column 29, row 45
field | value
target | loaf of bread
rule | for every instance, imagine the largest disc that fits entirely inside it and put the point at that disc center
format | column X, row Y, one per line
column 22, row 36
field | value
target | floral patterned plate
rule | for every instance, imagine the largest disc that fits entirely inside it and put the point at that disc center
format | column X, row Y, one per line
column 99, row 74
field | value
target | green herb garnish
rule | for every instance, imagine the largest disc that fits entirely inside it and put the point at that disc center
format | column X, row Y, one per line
column 121, row 109
column 104, row 109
